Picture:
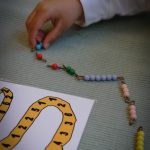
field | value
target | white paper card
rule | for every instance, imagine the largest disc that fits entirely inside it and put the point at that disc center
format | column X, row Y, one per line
column 41, row 125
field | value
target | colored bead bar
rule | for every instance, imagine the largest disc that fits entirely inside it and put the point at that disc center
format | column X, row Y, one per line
column 100, row 78
column 132, row 113
column 139, row 139
column 70, row 70
column 131, row 104
column 124, row 87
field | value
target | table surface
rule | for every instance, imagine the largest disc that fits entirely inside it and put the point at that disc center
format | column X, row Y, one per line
column 119, row 46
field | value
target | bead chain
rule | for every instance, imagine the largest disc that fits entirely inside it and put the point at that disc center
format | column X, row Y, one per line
column 131, row 104
column 123, row 86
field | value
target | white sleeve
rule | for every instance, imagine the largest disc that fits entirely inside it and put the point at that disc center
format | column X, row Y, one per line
column 96, row 10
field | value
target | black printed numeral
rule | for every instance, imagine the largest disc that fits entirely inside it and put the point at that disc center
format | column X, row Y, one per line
column 6, row 145
column 11, row 97
column 29, row 118
column 5, row 103
column 5, row 90
column 2, row 112
column 52, row 99
column 70, row 123
column 64, row 133
column 40, row 103
column 68, row 114
column 15, row 135
column 59, row 104
column 35, row 109
column 58, row 143
column 23, row 127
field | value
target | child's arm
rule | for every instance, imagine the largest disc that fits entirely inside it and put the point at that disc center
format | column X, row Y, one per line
column 96, row 10
column 62, row 13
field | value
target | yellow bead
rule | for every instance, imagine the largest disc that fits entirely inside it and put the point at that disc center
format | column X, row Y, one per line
column 140, row 133
column 139, row 148
column 140, row 138
column 140, row 143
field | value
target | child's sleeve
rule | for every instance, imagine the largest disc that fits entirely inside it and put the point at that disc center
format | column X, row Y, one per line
column 96, row 10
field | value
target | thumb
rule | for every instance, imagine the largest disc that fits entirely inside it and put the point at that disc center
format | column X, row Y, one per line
column 57, row 30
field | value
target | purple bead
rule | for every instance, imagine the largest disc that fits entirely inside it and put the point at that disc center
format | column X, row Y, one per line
column 92, row 77
column 87, row 78
column 114, row 77
column 98, row 78
column 103, row 78
column 108, row 77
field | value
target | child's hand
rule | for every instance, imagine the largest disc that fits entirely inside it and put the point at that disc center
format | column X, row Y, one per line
column 62, row 13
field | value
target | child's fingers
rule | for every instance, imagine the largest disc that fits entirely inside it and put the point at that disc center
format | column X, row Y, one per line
column 54, row 34
column 28, row 26
column 35, row 25
column 40, row 36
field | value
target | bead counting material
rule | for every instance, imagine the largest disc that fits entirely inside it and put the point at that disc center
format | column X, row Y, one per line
column 131, row 104
column 132, row 112
column 124, row 88
column 99, row 78
column 139, row 139
column 72, row 72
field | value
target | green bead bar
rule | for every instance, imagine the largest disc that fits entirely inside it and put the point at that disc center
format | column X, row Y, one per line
column 70, row 70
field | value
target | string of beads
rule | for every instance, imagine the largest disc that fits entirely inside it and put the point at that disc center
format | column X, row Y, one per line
column 72, row 72
column 131, row 104
column 123, row 86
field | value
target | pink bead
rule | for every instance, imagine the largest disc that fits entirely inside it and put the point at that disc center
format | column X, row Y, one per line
column 133, row 116
column 132, row 112
column 132, row 107
column 126, row 94
column 124, row 86
column 126, row 90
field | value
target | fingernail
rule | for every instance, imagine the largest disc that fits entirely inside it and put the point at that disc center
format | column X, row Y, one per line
column 46, row 45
